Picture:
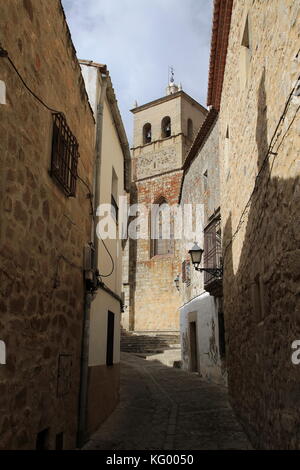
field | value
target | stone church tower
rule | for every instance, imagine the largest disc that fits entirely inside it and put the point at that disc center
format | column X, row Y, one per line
column 163, row 131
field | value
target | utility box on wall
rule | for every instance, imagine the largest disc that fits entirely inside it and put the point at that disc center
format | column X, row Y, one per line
column 2, row 353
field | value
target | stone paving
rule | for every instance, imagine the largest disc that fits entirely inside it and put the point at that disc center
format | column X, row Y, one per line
column 162, row 408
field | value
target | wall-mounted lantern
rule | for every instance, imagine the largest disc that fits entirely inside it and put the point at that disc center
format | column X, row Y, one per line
column 196, row 256
column 176, row 281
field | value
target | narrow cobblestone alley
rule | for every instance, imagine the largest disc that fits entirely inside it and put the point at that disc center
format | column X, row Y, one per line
column 168, row 409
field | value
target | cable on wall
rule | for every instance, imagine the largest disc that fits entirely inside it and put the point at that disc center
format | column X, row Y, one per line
column 4, row 53
column 112, row 261
column 269, row 152
column 89, row 195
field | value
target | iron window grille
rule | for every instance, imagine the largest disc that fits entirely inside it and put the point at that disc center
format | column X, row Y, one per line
column 186, row 272
column 183, row 271
column 65, row 155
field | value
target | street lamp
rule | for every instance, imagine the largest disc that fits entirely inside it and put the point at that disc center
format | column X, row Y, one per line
column 196, row 256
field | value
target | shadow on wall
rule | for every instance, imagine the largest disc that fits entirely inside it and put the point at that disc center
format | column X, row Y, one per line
column 261, row 303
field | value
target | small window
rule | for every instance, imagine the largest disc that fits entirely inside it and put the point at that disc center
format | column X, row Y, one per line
column 115, row 208
column 147, row 133
column 258, row 298
column 246, row 37
column 65, row 156
column 205, row 181
column 110, row 339
column 166, row 127
column 114, row 195
column 245, row 54
column 190, row 130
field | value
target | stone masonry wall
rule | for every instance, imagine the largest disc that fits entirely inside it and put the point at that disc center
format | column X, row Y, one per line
column 200, row 189
column 201, row 185
column 261, row 254
column 42, row 232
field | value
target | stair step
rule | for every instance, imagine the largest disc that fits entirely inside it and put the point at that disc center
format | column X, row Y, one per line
column 149, row 342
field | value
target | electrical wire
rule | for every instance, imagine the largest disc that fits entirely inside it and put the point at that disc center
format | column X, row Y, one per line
column 93, row 214
column 112, row 261
column 90, row 196
column 268, row 153
column 56, row 274
column 271, row 168
column 4, row 53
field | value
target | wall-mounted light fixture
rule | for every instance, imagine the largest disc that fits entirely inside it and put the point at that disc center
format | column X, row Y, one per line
column 176, row 280
column 196, row 256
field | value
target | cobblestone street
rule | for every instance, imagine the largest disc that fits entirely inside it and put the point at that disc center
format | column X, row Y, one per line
column 168, row 409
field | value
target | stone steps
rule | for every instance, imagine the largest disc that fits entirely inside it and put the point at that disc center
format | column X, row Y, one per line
column 149, row 343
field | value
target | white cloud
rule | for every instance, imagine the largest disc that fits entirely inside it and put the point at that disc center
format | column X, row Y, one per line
column 139, row 39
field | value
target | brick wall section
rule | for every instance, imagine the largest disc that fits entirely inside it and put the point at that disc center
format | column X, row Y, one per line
column 155, row 301
column 263, row 382
column 41, row 293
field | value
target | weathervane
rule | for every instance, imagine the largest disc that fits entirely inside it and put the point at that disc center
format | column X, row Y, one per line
column 171, row 74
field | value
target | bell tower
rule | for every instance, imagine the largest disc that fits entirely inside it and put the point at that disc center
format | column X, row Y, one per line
column 164, row 129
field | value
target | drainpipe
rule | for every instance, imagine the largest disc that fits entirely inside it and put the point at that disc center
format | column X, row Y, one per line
column 89, row 296
column 84, row 370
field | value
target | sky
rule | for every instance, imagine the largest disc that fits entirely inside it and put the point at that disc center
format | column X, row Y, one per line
column 139, row 40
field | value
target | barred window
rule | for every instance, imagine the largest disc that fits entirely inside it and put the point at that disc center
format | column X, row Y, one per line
column 212, row 248
column 65, row 155
column 186, row 272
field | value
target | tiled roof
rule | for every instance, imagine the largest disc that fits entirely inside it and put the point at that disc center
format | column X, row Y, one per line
column 218, row 51
column 102, row 67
